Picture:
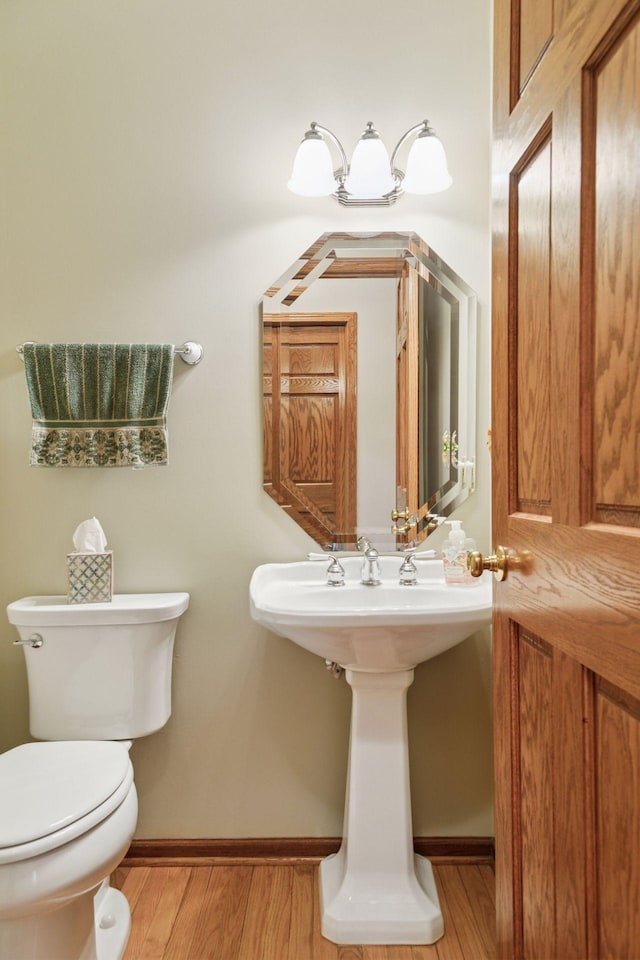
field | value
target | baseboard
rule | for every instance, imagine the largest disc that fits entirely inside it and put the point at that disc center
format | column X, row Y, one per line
column 262, row 850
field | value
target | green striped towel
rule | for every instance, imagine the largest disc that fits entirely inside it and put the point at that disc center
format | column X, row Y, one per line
column 98, row 404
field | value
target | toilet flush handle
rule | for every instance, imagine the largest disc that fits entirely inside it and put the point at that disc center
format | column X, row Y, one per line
column 35, row 640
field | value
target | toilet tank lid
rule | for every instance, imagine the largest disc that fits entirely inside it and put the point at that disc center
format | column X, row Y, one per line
column 124, row 608
column 45, row 787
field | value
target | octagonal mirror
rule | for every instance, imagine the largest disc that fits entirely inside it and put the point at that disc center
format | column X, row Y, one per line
column 369, row 360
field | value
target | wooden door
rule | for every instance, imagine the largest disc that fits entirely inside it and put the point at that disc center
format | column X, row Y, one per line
column 310, row 456
column 566, row 477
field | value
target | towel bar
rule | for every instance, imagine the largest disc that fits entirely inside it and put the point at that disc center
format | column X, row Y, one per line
column 190, row 351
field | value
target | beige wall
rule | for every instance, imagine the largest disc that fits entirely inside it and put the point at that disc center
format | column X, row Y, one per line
column 146, row 147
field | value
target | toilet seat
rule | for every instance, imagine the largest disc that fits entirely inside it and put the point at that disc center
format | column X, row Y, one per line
column 52, row 792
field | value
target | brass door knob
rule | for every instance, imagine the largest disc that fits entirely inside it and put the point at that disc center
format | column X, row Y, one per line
column 409, row 520
column 403, row 529
column 498, row 564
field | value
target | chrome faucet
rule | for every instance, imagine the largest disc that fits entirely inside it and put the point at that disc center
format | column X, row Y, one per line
column 370, row 574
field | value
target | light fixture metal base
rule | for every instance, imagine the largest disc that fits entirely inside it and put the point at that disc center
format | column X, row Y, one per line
column 346, row 200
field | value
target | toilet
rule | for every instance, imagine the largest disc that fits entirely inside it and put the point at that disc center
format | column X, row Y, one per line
column 99, row 676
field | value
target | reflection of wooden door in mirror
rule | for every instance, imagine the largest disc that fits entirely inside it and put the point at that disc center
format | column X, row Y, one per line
column 310, row 405
column 427, row 357
column 407, row 397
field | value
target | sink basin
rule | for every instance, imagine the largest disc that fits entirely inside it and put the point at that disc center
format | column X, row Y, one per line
column 382, row 628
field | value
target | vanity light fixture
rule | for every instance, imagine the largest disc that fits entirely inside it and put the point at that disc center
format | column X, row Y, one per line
column 371, row 179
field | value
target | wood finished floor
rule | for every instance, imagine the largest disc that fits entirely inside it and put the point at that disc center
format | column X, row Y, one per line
column 270, row 912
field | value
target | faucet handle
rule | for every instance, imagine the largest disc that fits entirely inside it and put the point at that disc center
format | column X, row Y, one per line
column 335, row 573
column 408, row 572
column 408, row 569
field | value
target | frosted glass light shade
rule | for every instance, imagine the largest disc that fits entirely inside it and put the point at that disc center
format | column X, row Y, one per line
column 312, row 174
column 426, row 167
column 370, row 170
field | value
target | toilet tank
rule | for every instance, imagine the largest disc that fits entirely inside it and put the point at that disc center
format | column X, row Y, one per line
column 103, row 670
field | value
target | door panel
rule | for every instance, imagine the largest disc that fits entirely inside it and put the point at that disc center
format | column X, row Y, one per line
column 533, row 234
column 618, row 800
column 310, row 390
column 536, row 788
column 533, row 34
column 566, row 480
column 614, row 96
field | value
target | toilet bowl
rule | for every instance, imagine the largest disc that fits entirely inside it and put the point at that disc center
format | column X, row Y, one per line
column 67, row 815
column 68, row 807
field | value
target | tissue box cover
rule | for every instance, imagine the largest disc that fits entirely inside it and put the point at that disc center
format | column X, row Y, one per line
column 90, row 577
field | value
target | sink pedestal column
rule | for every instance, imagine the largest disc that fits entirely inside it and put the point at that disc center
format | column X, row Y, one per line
column 375, row 889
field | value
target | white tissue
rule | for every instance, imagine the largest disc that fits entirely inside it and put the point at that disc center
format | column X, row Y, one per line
column 89, row 537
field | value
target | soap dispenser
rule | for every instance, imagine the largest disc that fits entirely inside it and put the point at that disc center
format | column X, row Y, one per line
column 455, row 551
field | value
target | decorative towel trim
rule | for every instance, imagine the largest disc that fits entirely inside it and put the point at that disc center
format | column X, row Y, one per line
column 98, row 405
column 85, row 447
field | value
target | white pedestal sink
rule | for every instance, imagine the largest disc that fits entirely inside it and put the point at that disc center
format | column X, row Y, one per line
column 375, row 889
